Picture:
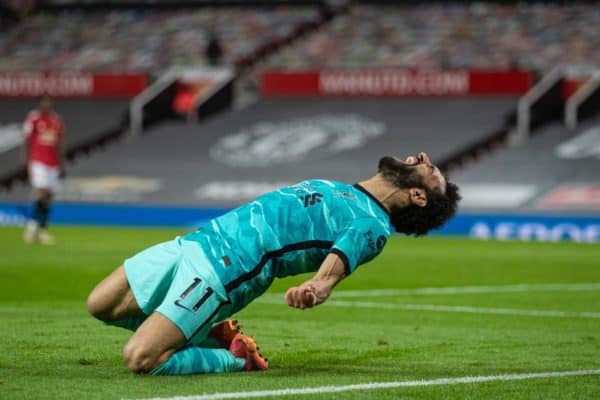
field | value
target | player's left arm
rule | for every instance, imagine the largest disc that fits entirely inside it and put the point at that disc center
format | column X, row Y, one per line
column 24, row 152
column 317, row 289
column 27, row 131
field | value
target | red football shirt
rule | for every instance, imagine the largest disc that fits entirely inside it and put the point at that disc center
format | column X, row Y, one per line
column 44, row 133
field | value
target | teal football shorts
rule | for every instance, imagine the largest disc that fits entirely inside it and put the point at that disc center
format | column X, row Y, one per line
column 176, row 279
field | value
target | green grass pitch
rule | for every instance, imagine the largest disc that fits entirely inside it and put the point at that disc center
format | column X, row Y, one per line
column 51, row 349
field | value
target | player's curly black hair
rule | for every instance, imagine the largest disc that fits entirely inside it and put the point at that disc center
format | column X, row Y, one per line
column 415, row 220
column 418, row 221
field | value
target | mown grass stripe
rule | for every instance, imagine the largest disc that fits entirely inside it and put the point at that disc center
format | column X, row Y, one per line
column 381, row 385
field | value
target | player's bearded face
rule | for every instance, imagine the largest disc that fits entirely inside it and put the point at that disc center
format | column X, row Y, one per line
column 413, row 219
column 399, row 173
column 410, row 219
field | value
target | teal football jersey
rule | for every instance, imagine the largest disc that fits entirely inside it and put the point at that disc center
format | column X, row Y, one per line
column 290, row 231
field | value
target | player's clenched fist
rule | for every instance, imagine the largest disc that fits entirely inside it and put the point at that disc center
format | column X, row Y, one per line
column 303, row 296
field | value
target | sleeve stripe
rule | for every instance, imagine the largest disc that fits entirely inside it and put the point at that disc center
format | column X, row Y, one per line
column 344, row 259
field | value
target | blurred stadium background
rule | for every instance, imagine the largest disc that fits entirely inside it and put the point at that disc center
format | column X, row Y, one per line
column 207, row 104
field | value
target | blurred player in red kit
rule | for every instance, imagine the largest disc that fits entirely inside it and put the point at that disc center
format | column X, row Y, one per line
column 43, row 150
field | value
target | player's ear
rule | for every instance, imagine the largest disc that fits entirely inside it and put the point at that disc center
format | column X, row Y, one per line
column 417, row 197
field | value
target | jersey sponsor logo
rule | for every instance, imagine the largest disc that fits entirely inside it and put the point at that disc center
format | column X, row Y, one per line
column 48, row 137
column 314, row 137
column 311, row 199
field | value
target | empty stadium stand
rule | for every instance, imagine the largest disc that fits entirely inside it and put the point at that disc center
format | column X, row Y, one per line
column 145, row 40
column 556, row 170
column 231, row 157
column 527, row 35
column 282, row 141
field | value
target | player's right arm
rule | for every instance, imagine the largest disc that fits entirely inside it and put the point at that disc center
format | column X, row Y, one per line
column 359, row 242
column 25, row 151
column 317, row 289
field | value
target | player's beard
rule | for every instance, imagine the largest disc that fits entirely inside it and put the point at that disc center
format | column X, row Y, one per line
column 410, row 219
column 399, row 174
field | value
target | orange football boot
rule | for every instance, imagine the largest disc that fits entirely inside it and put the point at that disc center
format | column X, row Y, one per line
column 225, row 331
column 243, row 346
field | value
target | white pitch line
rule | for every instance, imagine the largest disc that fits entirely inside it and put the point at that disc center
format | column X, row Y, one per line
column 524, row 287
column 465, row 309
column 447, row 308
column 381, row 385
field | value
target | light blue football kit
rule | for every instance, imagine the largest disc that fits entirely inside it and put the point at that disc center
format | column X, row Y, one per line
column 207, row 275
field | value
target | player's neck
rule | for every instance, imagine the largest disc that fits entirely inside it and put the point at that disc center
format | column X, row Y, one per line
column 386, row 193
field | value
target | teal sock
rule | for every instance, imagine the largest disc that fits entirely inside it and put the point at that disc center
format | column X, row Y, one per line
column 210, row 343
column 196, row 360
column 130, row 323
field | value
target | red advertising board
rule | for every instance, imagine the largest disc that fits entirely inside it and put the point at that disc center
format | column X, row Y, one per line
column 290, row 83
column 575, row 196
column 511, row 83
column 70, row 84
column 394, row 82
column 128, row 85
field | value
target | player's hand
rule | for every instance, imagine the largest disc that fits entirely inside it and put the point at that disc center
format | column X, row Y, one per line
column 303, row 296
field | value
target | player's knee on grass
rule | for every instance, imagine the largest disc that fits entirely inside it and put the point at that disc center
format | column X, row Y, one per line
column 141, row 359
column 152, row 344
column 98, row 307
column 103, row 306
column 112, row 299
column 94, row 306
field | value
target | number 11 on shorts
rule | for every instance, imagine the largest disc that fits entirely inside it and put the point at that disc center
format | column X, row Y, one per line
column 187, row 298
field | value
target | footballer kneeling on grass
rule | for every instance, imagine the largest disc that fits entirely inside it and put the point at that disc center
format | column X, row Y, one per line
column 176, row 296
